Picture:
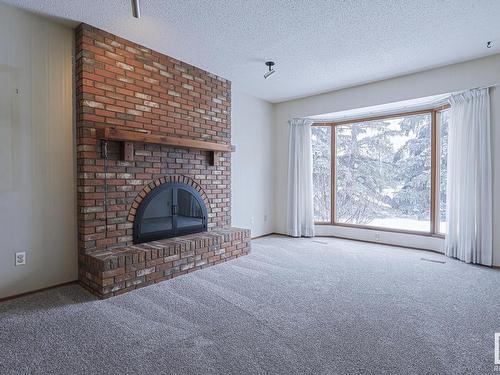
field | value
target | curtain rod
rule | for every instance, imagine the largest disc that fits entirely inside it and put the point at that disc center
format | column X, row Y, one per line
column 483, row 87
column 423, row 107
column 393, row 111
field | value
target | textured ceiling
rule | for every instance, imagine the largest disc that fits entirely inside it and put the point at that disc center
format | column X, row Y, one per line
column 318, row 45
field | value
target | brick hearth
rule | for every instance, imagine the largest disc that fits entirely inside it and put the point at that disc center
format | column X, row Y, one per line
column 126, row 86
column 116, row 271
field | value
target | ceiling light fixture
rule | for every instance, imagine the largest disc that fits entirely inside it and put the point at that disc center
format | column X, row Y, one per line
column 271, row 71
column 136, row 11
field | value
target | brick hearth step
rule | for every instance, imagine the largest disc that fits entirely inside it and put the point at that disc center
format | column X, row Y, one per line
column 111, row 272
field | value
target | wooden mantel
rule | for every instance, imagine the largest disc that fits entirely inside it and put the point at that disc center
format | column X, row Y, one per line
column 128, row 137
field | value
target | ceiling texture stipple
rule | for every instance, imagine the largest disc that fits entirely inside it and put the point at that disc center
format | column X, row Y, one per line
column 318, row 45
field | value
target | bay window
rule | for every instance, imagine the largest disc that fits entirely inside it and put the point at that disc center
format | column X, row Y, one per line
column 386, row 172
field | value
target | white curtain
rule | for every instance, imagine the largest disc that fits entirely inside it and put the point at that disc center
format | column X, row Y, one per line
column 300, row 218
column 469, row 185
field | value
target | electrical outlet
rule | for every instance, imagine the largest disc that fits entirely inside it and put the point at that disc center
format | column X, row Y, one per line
column 265, row 217
column 377, row 236
column 21, row 258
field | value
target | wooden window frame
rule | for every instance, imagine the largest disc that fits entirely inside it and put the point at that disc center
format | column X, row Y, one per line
column 434, row 112
column 437, row 178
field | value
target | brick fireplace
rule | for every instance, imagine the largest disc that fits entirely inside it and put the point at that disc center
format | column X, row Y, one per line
column 145, row 120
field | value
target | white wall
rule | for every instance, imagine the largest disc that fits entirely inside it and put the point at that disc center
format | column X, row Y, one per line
column 37, row 182
column 451, row 78
column 252, row 163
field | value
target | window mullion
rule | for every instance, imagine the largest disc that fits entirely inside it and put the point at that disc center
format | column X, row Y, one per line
column 333, row 187
column 434, row 171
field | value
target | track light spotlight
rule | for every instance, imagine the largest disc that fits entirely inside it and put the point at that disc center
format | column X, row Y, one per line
column 271, row 71
column 136, row 11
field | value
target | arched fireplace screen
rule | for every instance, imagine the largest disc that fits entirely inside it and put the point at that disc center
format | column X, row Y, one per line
column 171, row 209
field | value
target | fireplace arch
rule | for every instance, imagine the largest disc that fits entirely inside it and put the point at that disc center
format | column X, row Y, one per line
column 170, row 209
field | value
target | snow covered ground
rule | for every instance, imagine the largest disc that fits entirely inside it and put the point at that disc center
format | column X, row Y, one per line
column 406, row 224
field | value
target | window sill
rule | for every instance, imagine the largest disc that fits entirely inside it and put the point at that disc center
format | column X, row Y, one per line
column 381, row 229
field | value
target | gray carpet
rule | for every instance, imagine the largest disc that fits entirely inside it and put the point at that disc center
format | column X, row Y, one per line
column 294, row 306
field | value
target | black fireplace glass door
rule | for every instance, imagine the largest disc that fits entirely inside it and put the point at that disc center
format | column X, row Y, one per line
column 157, row 216
column 169, row 210
column 189, row 212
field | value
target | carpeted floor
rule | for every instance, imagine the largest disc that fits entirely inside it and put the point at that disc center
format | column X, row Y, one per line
column 294, row 306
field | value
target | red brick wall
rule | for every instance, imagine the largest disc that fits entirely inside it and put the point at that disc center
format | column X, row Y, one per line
column 125, row 85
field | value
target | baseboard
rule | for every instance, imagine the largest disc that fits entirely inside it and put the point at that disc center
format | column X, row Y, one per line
column 263, row 235
column 36, row 291
column 269, row 234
